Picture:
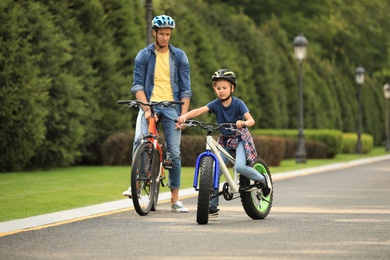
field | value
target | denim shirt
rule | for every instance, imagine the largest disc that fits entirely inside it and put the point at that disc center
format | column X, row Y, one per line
column 144, row 66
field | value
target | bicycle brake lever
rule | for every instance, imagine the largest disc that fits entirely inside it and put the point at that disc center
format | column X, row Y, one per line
column 233, row 129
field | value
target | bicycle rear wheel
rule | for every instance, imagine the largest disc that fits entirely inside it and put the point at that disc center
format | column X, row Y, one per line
column 205, row 189
column 142, row 181
column 255, row 204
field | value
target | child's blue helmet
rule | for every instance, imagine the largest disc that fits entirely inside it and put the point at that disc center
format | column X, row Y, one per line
column 163, row 21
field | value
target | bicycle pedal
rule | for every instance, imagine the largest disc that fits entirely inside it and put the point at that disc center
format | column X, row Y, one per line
column 167, row 165
column 162, row 181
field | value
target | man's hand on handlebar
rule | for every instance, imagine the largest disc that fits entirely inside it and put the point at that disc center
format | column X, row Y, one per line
column 147, row 115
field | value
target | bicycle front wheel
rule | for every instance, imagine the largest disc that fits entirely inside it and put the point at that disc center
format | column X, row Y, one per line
column 156, row 176
column 142, row 181
column 205, row 189
column 255, row 204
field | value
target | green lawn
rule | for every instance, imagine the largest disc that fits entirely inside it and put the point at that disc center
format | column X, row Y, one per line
column 26, row 194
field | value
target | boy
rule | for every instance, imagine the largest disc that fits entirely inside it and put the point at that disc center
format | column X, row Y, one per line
column 230, row 109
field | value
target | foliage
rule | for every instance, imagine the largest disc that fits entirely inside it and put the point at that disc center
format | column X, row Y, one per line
column 23, row 93
column 330, row 137
column 64, row 64
column 117, row 149
column 350, row 140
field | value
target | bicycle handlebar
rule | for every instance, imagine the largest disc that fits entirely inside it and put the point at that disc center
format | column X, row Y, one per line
column 150, row 104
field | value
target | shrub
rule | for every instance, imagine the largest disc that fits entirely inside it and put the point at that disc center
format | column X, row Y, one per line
column 117, row 149
column 314, row 149
column 330, row 137
column 270, row 149
column 350, row 140
column 191, row 146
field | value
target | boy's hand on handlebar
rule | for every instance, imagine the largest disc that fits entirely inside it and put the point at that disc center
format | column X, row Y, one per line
column 181, row 120
column 240, row 124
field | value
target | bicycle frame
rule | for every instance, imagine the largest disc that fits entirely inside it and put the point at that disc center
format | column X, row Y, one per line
column 214, row 150
column 152, row 138
column 206, row 177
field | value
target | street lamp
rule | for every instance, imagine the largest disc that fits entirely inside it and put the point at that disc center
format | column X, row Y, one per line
column 300, row 48
column 386, row 90
column 148, row 7
column 359, row 73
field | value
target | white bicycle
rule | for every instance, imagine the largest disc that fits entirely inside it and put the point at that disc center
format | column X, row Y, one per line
column 208, row 163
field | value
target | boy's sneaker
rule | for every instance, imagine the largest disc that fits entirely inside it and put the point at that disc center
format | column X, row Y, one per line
column 127, row 193
column 178, row 207
column 213, row 213
column 268, row 188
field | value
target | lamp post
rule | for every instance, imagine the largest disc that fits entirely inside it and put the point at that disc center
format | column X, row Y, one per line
column 359, row 73
column 386, row 90
column 148, row 7
column 300, row 48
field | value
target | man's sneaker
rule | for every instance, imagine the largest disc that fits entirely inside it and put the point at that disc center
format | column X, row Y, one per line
column 268, row 188
column 127, row 193
column 178, row 207
column 213, row 213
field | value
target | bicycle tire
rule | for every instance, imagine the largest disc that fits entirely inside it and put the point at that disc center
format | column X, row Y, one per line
column 205, row 189
column 142, row 182
column 155, row 173
column 254, row 203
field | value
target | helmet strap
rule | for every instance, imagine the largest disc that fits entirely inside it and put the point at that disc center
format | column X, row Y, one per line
column 231, row 91
column 223, row 100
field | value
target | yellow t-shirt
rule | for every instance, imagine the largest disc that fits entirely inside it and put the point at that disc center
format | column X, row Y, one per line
column 162, row 82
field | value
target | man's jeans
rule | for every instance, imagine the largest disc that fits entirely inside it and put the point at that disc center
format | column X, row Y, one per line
column 172, row 139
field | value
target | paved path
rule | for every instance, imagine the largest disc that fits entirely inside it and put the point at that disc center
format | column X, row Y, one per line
column 18, row 225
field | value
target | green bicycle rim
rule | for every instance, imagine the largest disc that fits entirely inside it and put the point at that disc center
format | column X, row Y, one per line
column 264, row 204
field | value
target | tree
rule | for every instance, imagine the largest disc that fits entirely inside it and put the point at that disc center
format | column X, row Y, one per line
column 23, row 92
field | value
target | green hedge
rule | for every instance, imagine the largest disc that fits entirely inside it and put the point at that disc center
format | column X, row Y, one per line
column 272, row 145
column 349, row 142
column 314, row 149
column 330, row 137
column 117, row 149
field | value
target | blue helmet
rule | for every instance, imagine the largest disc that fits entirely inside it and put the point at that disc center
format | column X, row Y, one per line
column 163, row 21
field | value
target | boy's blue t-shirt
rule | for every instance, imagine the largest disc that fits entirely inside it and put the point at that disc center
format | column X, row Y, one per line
column 230, row 114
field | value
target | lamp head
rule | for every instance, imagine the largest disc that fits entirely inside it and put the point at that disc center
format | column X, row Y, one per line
column 386, row 90
column 359, row 73
column 300, row 47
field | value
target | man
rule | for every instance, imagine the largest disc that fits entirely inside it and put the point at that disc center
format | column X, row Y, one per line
column 161, row 73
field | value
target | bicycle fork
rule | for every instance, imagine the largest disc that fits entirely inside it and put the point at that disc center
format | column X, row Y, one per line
column 216, row 169
column 197, row 165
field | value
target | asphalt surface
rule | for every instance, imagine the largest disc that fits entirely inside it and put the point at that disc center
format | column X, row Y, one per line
column 13, row 226
column 333, row 212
